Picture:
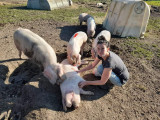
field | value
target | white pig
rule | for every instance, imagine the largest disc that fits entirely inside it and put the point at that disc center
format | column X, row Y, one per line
column 38, row 50
column 91, row 27
column 99, row 5
column 75, row 47
column 83, row 17
column 107, row 36
column 69, row 87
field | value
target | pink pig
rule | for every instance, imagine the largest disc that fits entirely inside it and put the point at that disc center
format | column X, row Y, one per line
column 91, row 27
column 107, row 36
column 75, row 47
column 38, row 50
column 83, row 17
column 69, row 87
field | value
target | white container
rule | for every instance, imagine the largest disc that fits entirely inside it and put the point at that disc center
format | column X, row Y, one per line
column 127, row 18
column 47, row 4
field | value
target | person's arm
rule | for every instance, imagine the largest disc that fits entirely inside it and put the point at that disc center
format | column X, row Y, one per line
column 104, row 78
column 90, row 66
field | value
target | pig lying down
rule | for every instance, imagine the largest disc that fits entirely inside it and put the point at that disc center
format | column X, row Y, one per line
column 69, row 87
column 38, row 50
column 104, row 34
column 75, row 47
column 83, row 17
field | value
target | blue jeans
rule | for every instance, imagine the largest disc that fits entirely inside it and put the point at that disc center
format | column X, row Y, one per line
column 113, row 78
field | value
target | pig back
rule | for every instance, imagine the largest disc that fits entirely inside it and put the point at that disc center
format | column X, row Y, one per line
column 34, row 46
column 78, row 38
column 104, row 33
column 24, row 40
column 26, row 36
column 71, row 84
column 72, row 77
column 84, row 17
column 91, row 24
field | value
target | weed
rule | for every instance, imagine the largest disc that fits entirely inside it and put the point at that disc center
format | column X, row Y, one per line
column 153, row 26
column 158, row 53
column 139, row 49
column 141, row 87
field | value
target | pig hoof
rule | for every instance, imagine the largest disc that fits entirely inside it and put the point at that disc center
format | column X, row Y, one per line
column 65, row 109
column 76, row 107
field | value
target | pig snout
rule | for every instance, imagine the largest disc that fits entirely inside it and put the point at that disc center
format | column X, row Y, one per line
column 76, row 60
column 91, row 33
column 54, row 73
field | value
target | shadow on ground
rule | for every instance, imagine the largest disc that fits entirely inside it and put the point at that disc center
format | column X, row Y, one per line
column 68, row 31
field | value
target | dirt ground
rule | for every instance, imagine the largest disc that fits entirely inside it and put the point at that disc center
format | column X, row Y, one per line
column 25, row 94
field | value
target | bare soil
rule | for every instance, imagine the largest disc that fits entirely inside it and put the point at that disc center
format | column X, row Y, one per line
column 25, row 94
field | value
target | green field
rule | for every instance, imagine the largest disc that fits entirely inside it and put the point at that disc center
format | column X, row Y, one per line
column 154, row 3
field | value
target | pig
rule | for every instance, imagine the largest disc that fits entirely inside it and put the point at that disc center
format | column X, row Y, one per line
column 106, row 35
column 91, row 27
column 75, row 47
column 39, row 51
column 99, row 5
column 70, row 2
column 83, row 17
column 69, row 87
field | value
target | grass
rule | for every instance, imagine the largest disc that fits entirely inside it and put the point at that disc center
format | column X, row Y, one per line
column 140, row 49
column 91, row 1
column 154, row 3
column 153, row 27
column 154, row 24
column 16, row 13
column 158, row 52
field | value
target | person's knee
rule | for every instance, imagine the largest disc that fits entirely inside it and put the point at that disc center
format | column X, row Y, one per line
column 100, row 69
column 117, row 83
column 115, row 79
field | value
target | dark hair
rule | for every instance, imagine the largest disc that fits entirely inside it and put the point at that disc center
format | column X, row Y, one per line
column 102, row 39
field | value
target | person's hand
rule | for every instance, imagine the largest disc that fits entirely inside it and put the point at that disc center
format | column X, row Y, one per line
column 82, row 84
column 75, row 70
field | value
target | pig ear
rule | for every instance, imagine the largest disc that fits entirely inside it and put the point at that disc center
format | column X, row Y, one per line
column 50, row 74
column 60, row 72
column 47, row 73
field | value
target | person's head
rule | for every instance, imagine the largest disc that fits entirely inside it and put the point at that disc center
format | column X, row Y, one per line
column 102, row 46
